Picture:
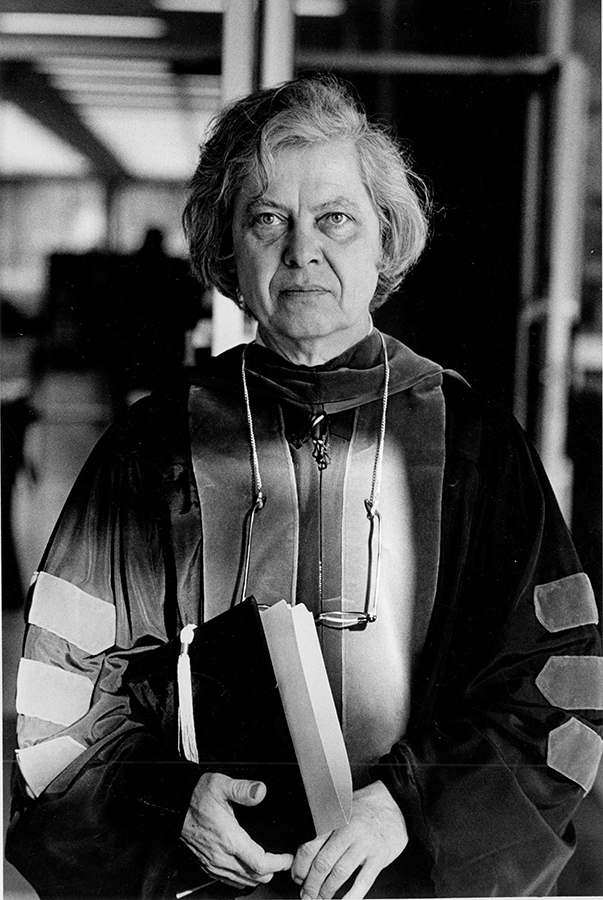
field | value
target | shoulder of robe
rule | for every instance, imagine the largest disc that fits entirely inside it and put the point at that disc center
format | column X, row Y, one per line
column 478, row 426
column 152, row 427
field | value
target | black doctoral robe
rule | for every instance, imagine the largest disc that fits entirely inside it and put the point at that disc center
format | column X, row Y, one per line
column 501, row 742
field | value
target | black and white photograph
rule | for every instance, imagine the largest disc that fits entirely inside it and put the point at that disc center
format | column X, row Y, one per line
column 301, row 391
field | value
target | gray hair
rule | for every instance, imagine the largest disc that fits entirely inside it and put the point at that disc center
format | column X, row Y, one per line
column 243, row 141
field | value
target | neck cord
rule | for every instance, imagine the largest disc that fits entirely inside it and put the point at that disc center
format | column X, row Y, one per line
column 259, row 498
column 371, row 503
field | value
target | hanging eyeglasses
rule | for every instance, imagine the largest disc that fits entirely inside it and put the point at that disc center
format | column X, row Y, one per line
column 342, row 619
column 337, row 619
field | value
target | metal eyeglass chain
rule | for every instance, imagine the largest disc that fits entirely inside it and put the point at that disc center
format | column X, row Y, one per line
column 260, row 498
column 371, row 503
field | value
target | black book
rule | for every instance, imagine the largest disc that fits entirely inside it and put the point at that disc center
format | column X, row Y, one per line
column 254, row 723
column 241, row 727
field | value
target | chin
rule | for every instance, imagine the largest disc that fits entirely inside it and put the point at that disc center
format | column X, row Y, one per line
column 307, row 335
column 294, row 326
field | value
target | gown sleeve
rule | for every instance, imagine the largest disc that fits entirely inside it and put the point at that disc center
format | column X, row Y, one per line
column 503, row 741
column 98, row 800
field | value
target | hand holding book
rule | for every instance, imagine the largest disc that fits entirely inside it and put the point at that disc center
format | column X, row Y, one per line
column 353, row 856
column 223, row 848
column 262, row 711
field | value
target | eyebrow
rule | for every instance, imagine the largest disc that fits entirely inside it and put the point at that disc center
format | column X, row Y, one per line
column 258, row 202
column 339, row 201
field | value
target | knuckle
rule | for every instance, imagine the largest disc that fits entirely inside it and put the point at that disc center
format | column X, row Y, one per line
column 322, row 866
column 237, row 791
column 304, row 853
column 214, row 781
column 339, row 873
column 227, row 851
column 212, row 777
column 259, row 869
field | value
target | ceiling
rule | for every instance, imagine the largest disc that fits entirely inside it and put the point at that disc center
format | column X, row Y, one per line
column 121, row 89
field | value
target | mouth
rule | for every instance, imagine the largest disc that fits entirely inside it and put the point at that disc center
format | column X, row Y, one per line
column 308, row 289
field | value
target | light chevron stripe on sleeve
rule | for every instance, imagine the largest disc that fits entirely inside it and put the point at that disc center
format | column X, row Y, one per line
column 41, row 763
column 575, row 751
column 50, row 693
column 566, row 603
column 572, row 682
column 72, row 614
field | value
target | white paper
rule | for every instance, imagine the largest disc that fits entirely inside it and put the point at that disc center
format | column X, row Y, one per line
column 310, row 711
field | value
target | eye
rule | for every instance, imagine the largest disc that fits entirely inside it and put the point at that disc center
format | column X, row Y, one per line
column 267, row 219
column 336, row 219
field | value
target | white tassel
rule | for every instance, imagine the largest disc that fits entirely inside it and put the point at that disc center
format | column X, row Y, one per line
column 187, row 741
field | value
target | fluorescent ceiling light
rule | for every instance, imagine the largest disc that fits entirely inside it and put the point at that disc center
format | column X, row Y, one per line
column 78, row 68
column 82, row 25
column 152, row 143
column 321, row 8
column 101, row 64
column 26, row 148
column 114, row 86
column 326, row 8
column 191, row 6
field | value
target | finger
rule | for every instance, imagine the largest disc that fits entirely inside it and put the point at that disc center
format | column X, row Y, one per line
column 251, row 855
column 305, row 857
column 247, row 793
column 227, row 867
column 229, row 877
column 275, row 862
column 234, row 871
column 255, row 860
column 362, row 884
column 327, row 874
column 220, row 858
column 341, row 871
column 271, row 863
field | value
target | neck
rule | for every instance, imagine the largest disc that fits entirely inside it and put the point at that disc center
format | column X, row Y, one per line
column 313, row 352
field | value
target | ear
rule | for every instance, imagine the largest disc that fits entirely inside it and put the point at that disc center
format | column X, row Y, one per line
column 240, row 301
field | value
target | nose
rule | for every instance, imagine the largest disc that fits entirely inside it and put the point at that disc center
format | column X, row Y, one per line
column 302, row 246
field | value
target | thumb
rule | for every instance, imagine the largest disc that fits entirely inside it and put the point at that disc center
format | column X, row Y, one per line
column 247, row 793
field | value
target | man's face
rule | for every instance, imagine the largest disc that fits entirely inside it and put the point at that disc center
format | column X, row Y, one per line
column 307, row 251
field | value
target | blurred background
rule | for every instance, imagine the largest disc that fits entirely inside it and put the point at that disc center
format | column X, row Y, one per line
column 103, row 104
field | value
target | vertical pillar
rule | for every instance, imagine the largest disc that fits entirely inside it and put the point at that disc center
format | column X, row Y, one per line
column 277, row 44
column 238, row 48
column 558, row 27
column 229, row 326
column 567, row 214
column 257, row 36
column 531, row 306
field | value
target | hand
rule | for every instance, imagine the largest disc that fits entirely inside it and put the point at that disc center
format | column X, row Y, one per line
column 374, row 837
column 212, row 832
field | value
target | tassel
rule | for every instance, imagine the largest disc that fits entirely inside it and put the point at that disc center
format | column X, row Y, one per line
column 187, row 741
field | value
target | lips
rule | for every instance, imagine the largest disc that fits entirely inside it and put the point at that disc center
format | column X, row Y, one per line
column 304, row 289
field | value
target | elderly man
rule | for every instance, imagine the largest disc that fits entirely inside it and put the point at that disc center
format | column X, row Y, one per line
column 465, row 676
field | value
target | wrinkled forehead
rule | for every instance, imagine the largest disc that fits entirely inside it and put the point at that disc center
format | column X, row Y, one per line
column 334, row 161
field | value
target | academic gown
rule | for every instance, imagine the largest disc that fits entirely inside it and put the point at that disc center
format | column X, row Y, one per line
column 502, row 738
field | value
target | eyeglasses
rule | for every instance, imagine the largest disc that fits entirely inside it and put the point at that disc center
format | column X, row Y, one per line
column 341, row 619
